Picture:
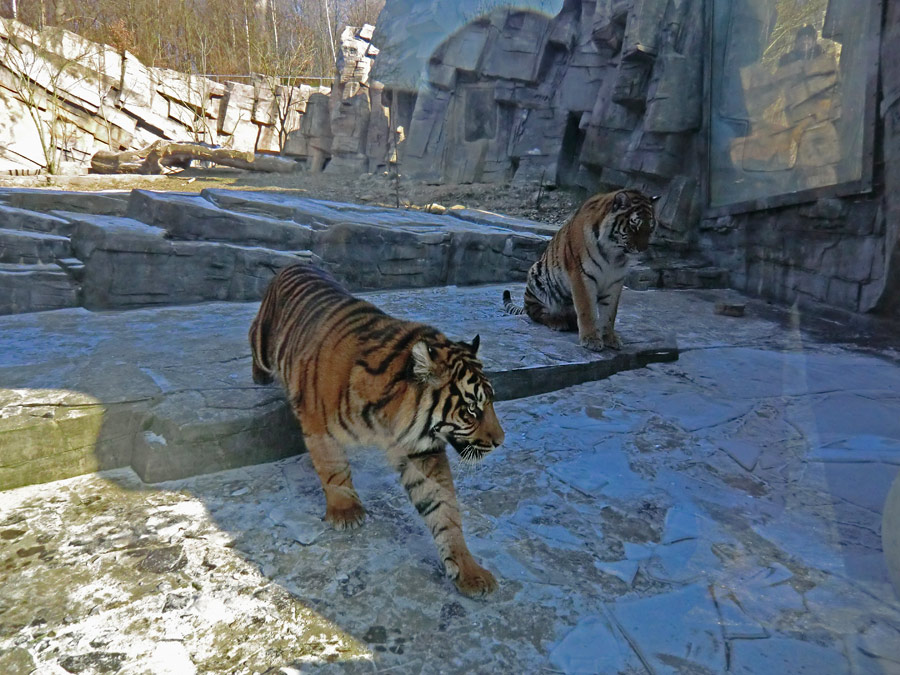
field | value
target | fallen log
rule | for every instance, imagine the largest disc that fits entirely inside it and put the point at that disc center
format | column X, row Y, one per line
column 162, row 155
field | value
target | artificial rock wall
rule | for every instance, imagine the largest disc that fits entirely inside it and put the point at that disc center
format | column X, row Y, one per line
column 599, row 94
column 839, row 252
column 609, row 93
column 346, row 130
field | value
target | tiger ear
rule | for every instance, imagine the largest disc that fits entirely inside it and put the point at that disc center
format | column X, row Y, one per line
column 621, row 201
column 475, row 344
column 425, row 368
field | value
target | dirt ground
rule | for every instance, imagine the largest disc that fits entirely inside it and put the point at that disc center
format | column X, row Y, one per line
column 524, row 201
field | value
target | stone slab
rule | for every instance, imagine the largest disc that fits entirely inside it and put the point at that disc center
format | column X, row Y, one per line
column 178, row 378
column 109, row 203
column 128, row 264
column 191, row 217
column 178, row 248
column 33, row 221
column 36, row 288
column 365, row 247
column 32, row 248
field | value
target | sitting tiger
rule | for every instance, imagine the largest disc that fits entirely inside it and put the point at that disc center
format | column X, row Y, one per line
column 356, row 376
column 577, row 281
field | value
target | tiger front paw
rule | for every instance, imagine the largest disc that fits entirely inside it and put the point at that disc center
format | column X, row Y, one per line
column 612, row 340
column 592, row 342
column 475, row 581
column 346, row 517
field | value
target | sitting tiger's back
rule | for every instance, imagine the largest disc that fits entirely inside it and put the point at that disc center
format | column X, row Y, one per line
column 576, row 283
column 356, row 376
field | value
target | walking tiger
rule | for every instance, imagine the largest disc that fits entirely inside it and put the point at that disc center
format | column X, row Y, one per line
column 357, row 376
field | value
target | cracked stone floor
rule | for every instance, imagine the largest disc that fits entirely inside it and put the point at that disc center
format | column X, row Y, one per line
column 716, row 514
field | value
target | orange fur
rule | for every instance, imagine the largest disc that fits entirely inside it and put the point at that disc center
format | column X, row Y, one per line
column 577, row 282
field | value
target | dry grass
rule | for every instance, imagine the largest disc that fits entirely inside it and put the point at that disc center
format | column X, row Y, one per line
column 515, row 200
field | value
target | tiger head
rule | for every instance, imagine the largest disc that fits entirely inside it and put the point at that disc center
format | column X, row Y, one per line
column 633, row 219
column 461, row 407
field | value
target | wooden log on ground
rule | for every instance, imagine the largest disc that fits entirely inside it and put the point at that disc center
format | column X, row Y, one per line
column 159, row 156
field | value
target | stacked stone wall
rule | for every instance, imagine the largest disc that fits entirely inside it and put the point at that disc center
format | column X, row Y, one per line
column 99, row 99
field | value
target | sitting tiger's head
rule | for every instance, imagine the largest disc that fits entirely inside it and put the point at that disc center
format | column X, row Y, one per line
column 461, row 406
column 633, row 219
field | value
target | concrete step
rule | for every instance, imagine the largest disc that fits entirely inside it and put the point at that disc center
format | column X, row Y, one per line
column 36, row 288
column 168, row 390
column 32, row 248
column 12, row 218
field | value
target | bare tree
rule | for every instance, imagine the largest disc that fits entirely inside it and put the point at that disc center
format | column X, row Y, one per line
column 242, row 31
column 359, row 12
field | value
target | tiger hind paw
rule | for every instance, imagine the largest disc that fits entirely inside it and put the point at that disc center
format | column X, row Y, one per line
column 476, row 582
column 347, row 518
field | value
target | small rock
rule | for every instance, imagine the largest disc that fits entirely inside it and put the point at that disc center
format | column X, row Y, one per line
column 96, row 662
column 730, row 308
column 176, row 601
column 168, row 559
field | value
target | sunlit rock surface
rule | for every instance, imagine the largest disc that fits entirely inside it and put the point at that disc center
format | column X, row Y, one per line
column 716, row 514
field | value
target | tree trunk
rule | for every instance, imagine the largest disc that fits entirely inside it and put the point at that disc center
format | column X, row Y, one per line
column 166, row 154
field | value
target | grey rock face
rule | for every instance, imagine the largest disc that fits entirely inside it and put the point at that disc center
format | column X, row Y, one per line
column 190, row 218
column 521, row 94
column 130, row 264
column 99, row 203
column 18, row 246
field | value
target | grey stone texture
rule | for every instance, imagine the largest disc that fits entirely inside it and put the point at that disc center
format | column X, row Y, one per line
column 168, row 390
column 831, row 252
column 624, row 535
column 163, row 248
column 574, row 98
column 35, row 288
